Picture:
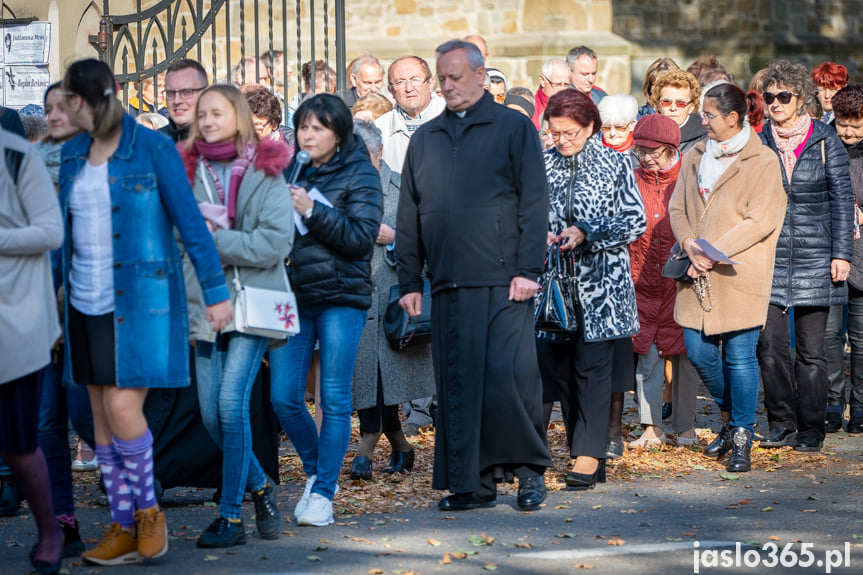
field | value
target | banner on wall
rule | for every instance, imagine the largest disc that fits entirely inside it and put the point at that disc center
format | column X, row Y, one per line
column 26, row 44
column 24, row 85
column 24, row 63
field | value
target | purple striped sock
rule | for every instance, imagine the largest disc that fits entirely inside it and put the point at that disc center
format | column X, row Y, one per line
column 120, row 497
column 137, row 457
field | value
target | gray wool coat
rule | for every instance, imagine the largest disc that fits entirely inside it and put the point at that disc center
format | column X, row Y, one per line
column 407, row 374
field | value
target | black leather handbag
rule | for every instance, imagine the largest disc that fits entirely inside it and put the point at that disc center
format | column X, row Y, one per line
column 556, row 300
column 402, row 330
column 677, row 264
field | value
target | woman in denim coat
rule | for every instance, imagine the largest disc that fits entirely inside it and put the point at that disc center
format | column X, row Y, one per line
column 123, row 191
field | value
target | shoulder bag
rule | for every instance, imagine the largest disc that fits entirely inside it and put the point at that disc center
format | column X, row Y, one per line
column 402, row 330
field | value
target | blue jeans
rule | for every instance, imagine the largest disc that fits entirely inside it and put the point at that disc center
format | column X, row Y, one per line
column 338, row 331
column 226, row 372
column 732, row 379
column 59, row 405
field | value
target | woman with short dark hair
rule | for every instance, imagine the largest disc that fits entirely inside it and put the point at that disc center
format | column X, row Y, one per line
column 596, row 211
column 339, row 198
column 812, row 258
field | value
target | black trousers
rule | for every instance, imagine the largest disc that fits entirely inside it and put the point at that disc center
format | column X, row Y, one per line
column 582, row 373
column 795, row 390
column 836, row 396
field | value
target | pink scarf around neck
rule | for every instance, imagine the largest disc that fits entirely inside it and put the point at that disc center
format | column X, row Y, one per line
column 225, row 152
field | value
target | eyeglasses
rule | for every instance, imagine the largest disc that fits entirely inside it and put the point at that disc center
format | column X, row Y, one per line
column 654, row 155
column 184, row 94
column 568, row 136
column 415, row 82
column 679, row 103
column 783, row 97
column 555, row 85
column 708, row 116
column 616, row 128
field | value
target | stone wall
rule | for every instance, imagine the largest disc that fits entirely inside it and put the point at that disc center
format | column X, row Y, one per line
column 745, row 34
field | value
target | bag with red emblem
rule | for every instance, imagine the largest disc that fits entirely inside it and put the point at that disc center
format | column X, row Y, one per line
column 265, row 312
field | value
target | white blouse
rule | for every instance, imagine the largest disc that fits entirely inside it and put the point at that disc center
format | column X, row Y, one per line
column 91, row 276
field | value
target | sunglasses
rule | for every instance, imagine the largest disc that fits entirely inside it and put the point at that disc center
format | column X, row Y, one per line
column 783, row 97
column 678, row 103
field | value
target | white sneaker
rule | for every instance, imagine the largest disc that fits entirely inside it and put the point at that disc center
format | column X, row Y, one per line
column 304, row 500
column 318, row 512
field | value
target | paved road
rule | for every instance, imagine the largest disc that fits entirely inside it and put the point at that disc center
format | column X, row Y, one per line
column 645, row 525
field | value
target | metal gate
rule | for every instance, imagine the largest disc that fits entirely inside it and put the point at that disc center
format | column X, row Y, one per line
column 218, row 33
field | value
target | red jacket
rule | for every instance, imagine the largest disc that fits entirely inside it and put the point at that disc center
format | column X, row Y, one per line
column 655, row 294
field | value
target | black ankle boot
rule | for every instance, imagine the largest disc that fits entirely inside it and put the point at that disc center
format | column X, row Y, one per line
column 741, row 441
column 720, row 445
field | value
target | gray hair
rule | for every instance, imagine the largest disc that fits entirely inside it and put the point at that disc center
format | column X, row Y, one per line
column 618, row 109
column 474, row 56
column 793, row 76
column 578, row 52
column 549, row 65
column 370, row 134
column 361, row 61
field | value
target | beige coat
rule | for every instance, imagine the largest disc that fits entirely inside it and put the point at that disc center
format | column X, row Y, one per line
column 744, row 222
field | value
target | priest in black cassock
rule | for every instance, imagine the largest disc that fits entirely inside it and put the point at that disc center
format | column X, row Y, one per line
column 473, row 207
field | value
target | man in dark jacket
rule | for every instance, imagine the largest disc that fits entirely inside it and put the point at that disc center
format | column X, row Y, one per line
column 474, row 208
column 184, row 81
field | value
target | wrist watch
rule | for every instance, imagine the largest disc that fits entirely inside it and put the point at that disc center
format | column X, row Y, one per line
column 308, row 213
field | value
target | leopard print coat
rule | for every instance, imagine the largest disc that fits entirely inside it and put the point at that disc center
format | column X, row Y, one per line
column 595, row 190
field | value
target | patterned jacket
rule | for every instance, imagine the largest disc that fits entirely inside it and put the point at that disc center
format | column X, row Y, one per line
column 595, row 191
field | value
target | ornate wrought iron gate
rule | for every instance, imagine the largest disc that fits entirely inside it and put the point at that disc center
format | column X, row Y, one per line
column 142, row 44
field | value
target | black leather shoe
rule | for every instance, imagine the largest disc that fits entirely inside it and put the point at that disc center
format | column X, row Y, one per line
column 400, row 462
column 720, row 445
column 807, row 443
column 531, row 493
column 361, row 468
column 222, row 533
column 741, row 441
column 72, row 543
column 833, row 422
column 667, row 410
column 465, row 502
column 268, row 520
column 44, row 568
column 779, row 437
column 583, row 481
column 614, row 449
column 10, row 497
column 855, row 424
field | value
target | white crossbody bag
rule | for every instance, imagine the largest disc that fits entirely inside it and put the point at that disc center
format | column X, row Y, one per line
column 262, row 312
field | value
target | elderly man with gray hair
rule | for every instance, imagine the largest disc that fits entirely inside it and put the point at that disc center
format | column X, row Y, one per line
column 553, row 78
column 366, row 74
column 583, row 62
column 473, row 208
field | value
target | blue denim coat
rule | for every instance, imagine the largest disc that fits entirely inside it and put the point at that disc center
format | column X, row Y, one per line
column 149, row 196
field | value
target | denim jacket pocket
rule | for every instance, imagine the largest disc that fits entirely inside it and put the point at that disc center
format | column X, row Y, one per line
column 139, row 184
column 153, row 286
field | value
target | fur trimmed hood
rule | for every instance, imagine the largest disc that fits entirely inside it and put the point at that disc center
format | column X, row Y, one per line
column 272, row 157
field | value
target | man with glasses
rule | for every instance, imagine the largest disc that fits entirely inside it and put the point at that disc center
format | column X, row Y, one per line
column 411, row 84
column 553, row 78
column 184, row 81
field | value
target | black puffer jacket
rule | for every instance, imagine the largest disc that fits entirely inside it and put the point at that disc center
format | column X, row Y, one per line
column 819, row 222
column 331, row 264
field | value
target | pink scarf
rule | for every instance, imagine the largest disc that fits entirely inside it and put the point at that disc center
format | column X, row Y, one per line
column 790, row 141
column 223, row 152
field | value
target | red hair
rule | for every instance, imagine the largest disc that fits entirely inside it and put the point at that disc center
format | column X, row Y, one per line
column 575, row 105
column 830, row 75
column 755, row 105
